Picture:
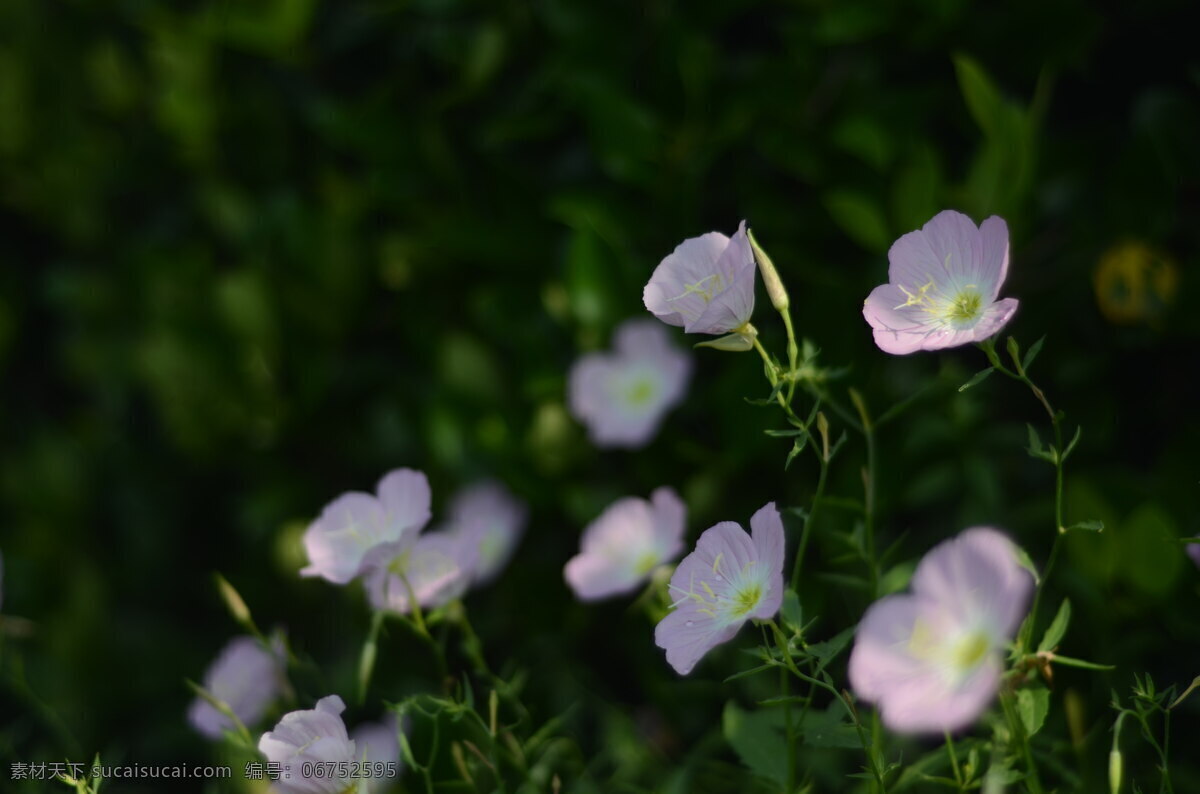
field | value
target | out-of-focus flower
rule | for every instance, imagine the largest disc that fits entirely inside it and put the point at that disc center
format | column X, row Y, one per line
column 932, row 660
column 622, row 396
column 1193, row 551
column 1134, row 284
column 314, row 736
column 943, row 283
column 424, row 567
column 486, row 521
column 705, row 285
column 629, row 539
column 354, row 523
column 730, row 578
column 379, row 743
column 246, row 677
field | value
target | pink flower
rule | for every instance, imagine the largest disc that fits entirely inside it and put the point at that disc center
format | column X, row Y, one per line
column 246, row 677
column 621, row 547
column 705, row 285
column 932, row 660
column 730, row 578
column 354, row 523
column 487, row 521
column 622, row 396
column 943, row 283
column 313, row 741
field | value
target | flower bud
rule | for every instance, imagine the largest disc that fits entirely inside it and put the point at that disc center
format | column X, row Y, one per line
column 775, row 290
column 1115, row 769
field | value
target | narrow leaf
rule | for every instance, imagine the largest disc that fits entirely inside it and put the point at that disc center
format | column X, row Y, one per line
column 978, row 378
column 1032, row 353
column 1058, row 628
column 1091, row 525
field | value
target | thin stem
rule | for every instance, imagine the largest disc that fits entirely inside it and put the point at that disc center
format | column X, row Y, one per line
column 791, row 737
column 958, row 777
column 868, row 430
column 366, row 662
column 808, row 522
column 793, row 352
column 1018, row 729
column 782, row 643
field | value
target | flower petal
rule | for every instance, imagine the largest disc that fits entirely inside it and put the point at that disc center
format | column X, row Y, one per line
column 404, row 494
column 336, row 542
column 686, row 634
column 670, row 517
column 667, row 294
column 977, row 575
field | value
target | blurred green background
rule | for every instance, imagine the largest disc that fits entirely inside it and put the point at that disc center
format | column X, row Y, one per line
column 254, row 254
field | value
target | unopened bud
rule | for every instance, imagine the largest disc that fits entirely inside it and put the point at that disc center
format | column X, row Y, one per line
column 1115, row 770
column 741, row 340
column 775, row 290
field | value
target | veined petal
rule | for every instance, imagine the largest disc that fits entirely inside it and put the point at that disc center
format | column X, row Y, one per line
column 404, row 494
column 977, row 574
column 336, row 542
column 687, row 633
column 676, row 293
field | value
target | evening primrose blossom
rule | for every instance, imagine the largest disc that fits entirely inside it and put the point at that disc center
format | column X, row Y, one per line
column 730, row 578
column 705, row 285
column 487, row 521
column 378, row 744
column 943, row 283
column 246, row 677
column 425, row 568
column 314, row 741
column 622, row 396
column 354, row 523
column 630, row 539
column 932, row 660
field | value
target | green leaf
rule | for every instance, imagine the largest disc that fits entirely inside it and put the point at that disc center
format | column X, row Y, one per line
column 1191, row 687
column 827, row 651
column 982, row 97
column 797, row 447
column 784, row 433
column 1058, row 628
column 828, row 728
column 1074, row 440
column 860, row 217
column 1067, row 661
column 1025, row 562
column 793, row 616
column 1090, row 525
column 1032, row 353
column 1033, row 704
column 757, row 738
column 978, row 378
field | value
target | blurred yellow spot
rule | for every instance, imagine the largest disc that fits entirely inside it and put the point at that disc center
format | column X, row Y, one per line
column 1134, row 284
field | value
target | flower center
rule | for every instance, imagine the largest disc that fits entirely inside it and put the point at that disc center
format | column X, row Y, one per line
column 645, row 563
column 745, row 599
column 640, row 392
column 970, row 651
column 964, row 308
column 705, row 288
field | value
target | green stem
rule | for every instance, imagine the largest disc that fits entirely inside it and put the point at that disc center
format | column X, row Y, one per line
column 793, row 352
column 1017, row 729
column 958, row 778
column 989, row 348
column 808, row 522
column 366, row 662
column 791, row 736
column 782, row 643
column 868, row 430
